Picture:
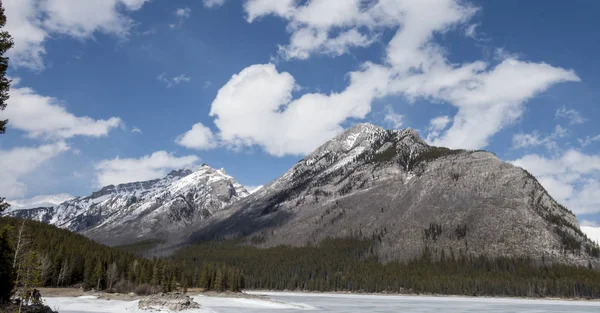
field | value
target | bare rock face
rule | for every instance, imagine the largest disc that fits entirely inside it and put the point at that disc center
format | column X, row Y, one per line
column 168, row 301
column 127, row 213
column 407, row 196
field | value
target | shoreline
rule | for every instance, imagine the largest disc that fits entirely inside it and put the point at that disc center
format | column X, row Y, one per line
column 263, row 294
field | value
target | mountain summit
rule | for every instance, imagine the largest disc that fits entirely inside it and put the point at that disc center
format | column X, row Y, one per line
column 392, row 187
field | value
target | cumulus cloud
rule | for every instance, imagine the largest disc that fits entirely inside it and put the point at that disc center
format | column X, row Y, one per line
column 21, row 161
column 327, row 27
column 156, row 165
column 32, row 22
column 571, row 178
column 45, row 117
column 572, row 115
column 256, row 105
column 136, row 130
column 199, row 137
column 172, row 81
column 213, row 3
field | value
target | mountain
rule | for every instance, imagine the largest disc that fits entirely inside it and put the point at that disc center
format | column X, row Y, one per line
column 408, row 197
column 388, row 186
column 39, row 201
column 131, row 212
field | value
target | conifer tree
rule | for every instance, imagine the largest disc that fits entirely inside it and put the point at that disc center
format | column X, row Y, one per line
column 219, row 280
column 7, row 277
column 98, row 274
column 6, row 252
column 6, row 42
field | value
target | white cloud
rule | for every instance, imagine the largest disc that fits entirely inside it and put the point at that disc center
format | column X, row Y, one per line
column 21, row 161
column 256, row 105
column 436, row 126
column 588, row 140
column 392, row 118
column 117, row 170
column 572, row 115
column 491, row 100
column 439, row 123
column 199, row 137
column 32, row 22
column 329, row 27
column 471, row 31
column 259, row 8
column 45, row 117
column 39, row 201
column 172, row 81
column 522, row 140
column 136, row 130
column 182, row 14
column 213, row 3
column 571, row 178
column 589, row 223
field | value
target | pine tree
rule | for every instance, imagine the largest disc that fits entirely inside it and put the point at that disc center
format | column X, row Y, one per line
column 7, row 275
column 6, row 253
column 173, row 285
column 219, row 281
column 6, row 43
column 29, row 275
column 98, row 274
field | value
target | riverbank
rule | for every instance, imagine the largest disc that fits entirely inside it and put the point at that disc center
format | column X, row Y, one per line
column 263, row 294
column 332, row 302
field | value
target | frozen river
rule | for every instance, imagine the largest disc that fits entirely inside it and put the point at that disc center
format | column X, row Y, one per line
column 282, row 302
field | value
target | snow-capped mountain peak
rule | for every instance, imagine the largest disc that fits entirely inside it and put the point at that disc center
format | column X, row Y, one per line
column 144, row 209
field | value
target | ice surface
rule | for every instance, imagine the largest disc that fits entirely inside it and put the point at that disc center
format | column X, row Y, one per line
column 283, row 302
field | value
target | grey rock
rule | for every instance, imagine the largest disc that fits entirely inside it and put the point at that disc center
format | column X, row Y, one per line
column 168, row 301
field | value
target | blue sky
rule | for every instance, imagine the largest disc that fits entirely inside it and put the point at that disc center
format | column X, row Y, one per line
column 109, row 91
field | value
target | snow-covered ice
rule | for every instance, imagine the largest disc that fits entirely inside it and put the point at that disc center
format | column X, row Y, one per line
column 283, row 302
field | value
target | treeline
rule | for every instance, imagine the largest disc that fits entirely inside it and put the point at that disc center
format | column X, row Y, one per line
column 49, row 256
column 348, row 265
column 59, row 258
column 220, row 277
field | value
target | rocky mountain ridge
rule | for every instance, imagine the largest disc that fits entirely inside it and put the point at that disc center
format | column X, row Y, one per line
column 125, row 213
column 408, row 197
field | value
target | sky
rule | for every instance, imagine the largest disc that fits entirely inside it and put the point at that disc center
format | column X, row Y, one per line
column 112, row 91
